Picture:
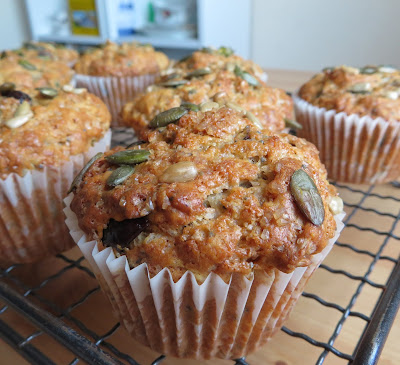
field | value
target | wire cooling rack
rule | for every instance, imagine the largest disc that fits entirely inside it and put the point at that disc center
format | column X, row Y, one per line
column 53, row 312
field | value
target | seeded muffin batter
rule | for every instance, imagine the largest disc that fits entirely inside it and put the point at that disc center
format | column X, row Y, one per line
column 370, row 90
column 209, row 197
column 47, row 128
column 126, row 59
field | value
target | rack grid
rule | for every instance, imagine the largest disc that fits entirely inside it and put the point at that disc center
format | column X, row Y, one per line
column 56, row 298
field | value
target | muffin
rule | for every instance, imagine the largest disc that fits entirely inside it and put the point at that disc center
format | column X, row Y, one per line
column 49, row 51
column 116, row 73
column 27, row 75
column 203, row 243
column 45, row 139
column 352, row 115
column 227, row 83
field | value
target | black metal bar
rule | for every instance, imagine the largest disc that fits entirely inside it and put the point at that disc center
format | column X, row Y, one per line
column 28, row 351
column 370, row 347
column 76, row 343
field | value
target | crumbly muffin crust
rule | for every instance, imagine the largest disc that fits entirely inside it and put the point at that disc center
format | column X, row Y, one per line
column 370, row 90
column 32, row 73
column 126, row 59
column 269, row 105
column 231, row 210
column 55, row 129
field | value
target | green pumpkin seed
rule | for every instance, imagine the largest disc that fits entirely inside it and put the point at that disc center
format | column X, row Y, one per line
column 129, row 157
column 306, row 196
column 33, row 46
column 290, row 123
column 184, row 59
column 328, row 69
column 251, row 80
column 360, row 88
column 368, row 70
column 48, row 92
column 199, row 72
column 136, row 143
column 7, row 86
column 119, row 175
column 190, row 107
column 225, row 51
column 173, row 83
column 167, row 117
column 78, row 178
column 27, row 65
column 208, row 50
column 3, row 55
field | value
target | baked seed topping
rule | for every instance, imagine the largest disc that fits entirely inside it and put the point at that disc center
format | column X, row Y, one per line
column 250, row 116
column 293, row 124
column 21, row 115
column 368, row 70
column 7, row 86
column 128, row 157
column 208, row 105
column 173, row 83
column 306, row 196
column 335, row 205
column 199, row 72
column 190, row 107
column 27, row 65
column 168, row 116
column 47, row 92
column 119, row 175
column 251, row 80
column 360, row 88
column 183, row 171
column 79, row 177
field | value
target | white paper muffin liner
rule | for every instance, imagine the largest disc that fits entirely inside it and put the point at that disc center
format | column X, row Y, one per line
column 354, row 149
column 32, row 223
column 188, row 320
column 115, row 91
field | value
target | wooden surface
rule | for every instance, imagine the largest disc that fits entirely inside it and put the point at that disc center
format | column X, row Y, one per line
column 308, row 317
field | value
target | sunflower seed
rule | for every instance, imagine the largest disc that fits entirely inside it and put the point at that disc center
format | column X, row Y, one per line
column 78, row 178
column 7, row 86
column 21, row 115
column 236, row 107
column 173, row 83
column 199, row 72
column 168, row 116
column 124, row 232
column 119, row 175
column 251, row 80
column 387, row 69
column 190, row 107
column 128, row 157
column 290, row 123
column 27, row 65
column 335, row 205
column 306, row 196
column 219, row 95
column 48, row 92
column 183, row 171
column 250, row 116
column 208, row 105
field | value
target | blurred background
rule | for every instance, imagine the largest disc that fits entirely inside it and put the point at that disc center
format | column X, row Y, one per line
column 285, row 34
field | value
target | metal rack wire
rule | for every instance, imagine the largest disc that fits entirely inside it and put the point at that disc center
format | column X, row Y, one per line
column 35, row 297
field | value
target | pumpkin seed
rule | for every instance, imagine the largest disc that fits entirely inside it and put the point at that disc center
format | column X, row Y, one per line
column 335, row 205
column 173, row 83
column 306, row 196
column 48, row 92
column 254, row 120
column 7, row 86
column 290, row 123
column 360, row 88
column 136, row 143
column 328, row 69
column 128, row 157
column 183, row 171
column 119, row 175
column 78, row 178
column 207, row 50
column 33, row 46
column 199, row 72
column 225, row 51
column 190, row 107
column 208, row 105
column 3, row 55
column 124, row 232
column 368, row 70
column 167, row 117
column 22, row 115
column 251, row 80
column 184, row 59
column 27, row 65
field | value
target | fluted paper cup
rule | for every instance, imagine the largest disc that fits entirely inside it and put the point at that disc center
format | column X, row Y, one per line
column 115, row 91
column 188, row 320
column 354, row 149
column 32, row 223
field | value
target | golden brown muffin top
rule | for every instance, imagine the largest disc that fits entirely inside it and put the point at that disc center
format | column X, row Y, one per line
column 370, row 90
column 46, row 131
column 232, row 84
column 49, row 51
column 126, row 59
column 28, row 74
column 204, row 203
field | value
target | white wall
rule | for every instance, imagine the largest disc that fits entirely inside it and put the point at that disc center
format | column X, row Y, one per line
column 14, row 29
column 312, row 34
